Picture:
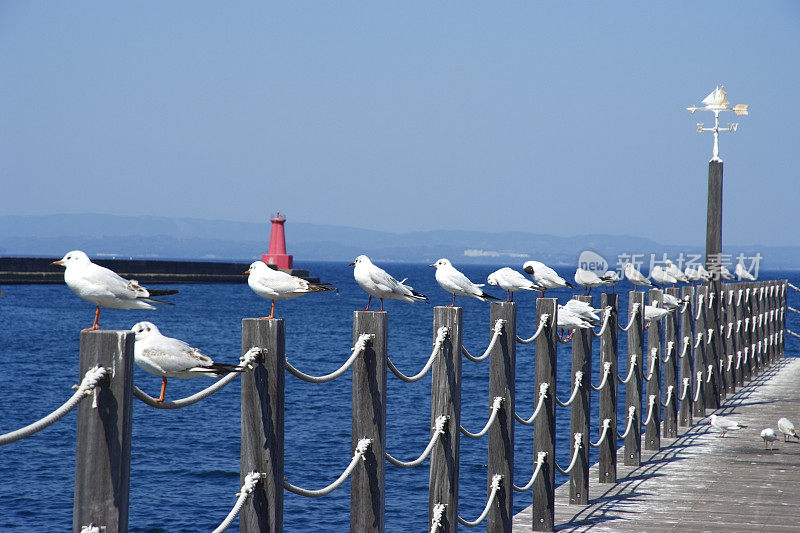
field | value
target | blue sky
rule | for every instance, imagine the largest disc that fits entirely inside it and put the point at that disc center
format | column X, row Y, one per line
column 561, row 118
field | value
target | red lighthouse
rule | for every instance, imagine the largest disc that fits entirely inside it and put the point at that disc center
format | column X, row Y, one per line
column 277, row 245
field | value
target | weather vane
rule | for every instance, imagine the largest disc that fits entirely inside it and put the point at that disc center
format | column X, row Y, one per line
column 717, row 102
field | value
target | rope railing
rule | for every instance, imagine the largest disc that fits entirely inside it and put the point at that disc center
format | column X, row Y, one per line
column 791, row 286
column 498, row 330
column 631, row 416
column 496, row 479
column 361, row 448
column 359, row 348
column 790, row 308
column 687, row 341
column 245, row 363
column 699, row 386
column 90, row 381
column 496, row 404
column 539, row 329
column 670, row 348
column 632, row 318
column 669, row 396
column 540, row 458
column 792, row 333
column 565, row 471
column 604, row 381
column 685, row 307
column 578, row 379
column 250, row 482
column 441, row 335
column 438, row 430
column 738, row 360
column 699, row 306
column 542, row 395
column 730, row 362
column 630, row 370
column 686, row 382
column 606, row 425
column 651, row 402
column 653, row 359
column 603, row 328
column 710, row 373
column 739, row 298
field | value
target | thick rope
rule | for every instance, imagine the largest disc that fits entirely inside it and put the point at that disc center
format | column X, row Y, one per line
column 630, row 371
column 542, row 324
column 496, row 479
column 539, row 462
column 711, row 299
column 498, row 330
column 578, row 379
column 542, row 395
column 441, row 335
column 90, row 380
column 792, row 333
column 669, row 396
column 739, row 298
column 687, row 341
column 710, row 373
column 438, row 430
column 632, row 318
column 606, row 373
column 670, row 348
column 730, row 362
column 699, row 386
column 250, row 482
column 245, row 362
column 358, row 349
column 496, row 404
column 651, row 404
column 710, row 335
column 686, row 382
column 699, row 305
column 738, row 326
column 793, row 287
column 565, row 471
column 730, row 297
column 653, row 359
column 438, row 514
column 738, row 360
column 606, row 425
column 685, row 307
column 361, row 449
column 631, row 415
column 605, row 323
column 790, row 308
column 730, row 329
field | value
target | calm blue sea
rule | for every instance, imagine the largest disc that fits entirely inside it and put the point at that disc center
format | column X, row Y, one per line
column 185, row 464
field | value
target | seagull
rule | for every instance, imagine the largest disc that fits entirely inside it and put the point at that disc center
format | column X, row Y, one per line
column 654, row 312
column 171, row 358
column 104, row 287
column 583, row 310
column 276, row 285
column 610, row 278
column 786, row 427
column 692, row 274
column 661, row 277
column 544, row 276
column 457, row 283
column 636, row 277
column 705, row 275
column 587, row 279
column 723, row 425
column 769, row 437
column 511, row 281
column 570, row 320
column 743, row 273
column 675, row 272
column 670, row 301
column 377, row 282
column 725, row 273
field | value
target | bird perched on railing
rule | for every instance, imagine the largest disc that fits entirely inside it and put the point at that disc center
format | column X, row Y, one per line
column 104, row 287
column 273, row 284
column 544, row 276
column 636, row 277
column 583, row 310
column 379, row 283
column 671, row 302
column 167, row 357
column 725, row 273
column 511, row 281
column 661, row 277
column 769, row 436
column 654, row 312
column 567, row 319
column 610, row 278
column 693, row 275
column 457, row 283
column 675, row 272
column 588, row 280
column 742, row 273
column 724, row 425
column 786, row 427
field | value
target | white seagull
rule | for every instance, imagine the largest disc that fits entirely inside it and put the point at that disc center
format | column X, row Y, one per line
column 661, row 277
column 769, row 436
column 171, row 358
column 670, row 301
column 636, row 277
column 274, row 285
column 725, row 273
column 675, row 272
column 587, row 279
column 583, row 310
column 742, row 273
column 457, row 283
column 704, row 274
column 723, row 425
column 654, row 312
column 570, row 320
column 104, row 287
column 377, row 282
column 511, row 281
column 786, row 427
column 692, row 274
column 610, row 278
column 544, row 276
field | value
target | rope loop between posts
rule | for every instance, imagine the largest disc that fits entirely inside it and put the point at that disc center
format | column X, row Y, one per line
column 498, row 330
column 496, row 404
column 687, row 341
column 250, row 481
column 686, row 382
column 578, row 379
column 438, row 430
column 632, row 318
column 496, row 480
column 653, row 359
column 542, row 323
column 604, row 381
column 710, row 373
column 711, row 299
column 631, row 416
column 606, row 425
column 685, row 306
column 739, row 298
column 792, row 333
column 669, row 396
column 791, row 286
column 699, row 305
column 245, row 363
column 441, row 335
column 631, row 368
column 361, row 448
column 565, row 471
column 606, row 318
column 438, row 514
column 699, row 339
column 88, row 384
column 790, row 308
column 651, row 402
column 730, row 362
column 359, row 348
column 540, row 458
column 738, row 359
column 699, row 386
column 542, row 395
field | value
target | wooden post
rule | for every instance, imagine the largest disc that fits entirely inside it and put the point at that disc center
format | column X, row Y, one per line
column 607, row 467
column 700, row 366
column 103, row 451
column 652, row 430
column 773, row 323
column 784, row 288
column 713, row 395
column 502, row 377
column 671, row 370
column 262, row 421
column 687, row 320
column 730, row 337
column 446, row 400
column 739, row 334
column 633, row 390
column 713, row 264
column 579, row 419
column 544, row 427
column 756, row 328
column 368, row 481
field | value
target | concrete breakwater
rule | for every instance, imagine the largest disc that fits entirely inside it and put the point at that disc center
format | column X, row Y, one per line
column 14, row 270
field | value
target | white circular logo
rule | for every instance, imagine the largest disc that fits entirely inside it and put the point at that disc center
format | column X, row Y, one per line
column 592, row 262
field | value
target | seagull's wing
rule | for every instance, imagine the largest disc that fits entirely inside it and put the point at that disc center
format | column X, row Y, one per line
column 107, row 280
column 385, row 282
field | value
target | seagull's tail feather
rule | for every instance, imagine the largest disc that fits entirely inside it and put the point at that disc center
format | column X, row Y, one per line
column 419, row 297
column 157, row 301
column 486, row 297
column 321, row 287
column 161, row 292
column 570, row 285
column 218, row 370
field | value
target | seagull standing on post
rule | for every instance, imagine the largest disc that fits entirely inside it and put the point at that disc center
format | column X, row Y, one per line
column 457, row 283
column 636, row 277
column 661, row 276
column 511, row 281
column 274, row 285
column 544, row 276
column 377, row 282
column 588, row 280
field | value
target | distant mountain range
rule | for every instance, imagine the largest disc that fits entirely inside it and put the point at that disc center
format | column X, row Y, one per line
column 187, row 238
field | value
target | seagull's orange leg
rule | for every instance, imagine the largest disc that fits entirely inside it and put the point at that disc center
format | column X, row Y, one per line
column 96, row 324
column 381, row 304
column 368, row 304
column 271, row 311
column 160, row 399
column 454, row 301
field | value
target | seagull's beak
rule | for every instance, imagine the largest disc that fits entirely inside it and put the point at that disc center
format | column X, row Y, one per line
column 246, row 272
column 432, row 265
column 351, row 264
column 59, row 262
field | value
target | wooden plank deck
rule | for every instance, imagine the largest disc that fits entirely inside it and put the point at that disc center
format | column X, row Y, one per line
column 702, row 483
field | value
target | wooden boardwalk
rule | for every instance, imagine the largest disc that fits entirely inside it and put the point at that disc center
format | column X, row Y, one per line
column 702, row 483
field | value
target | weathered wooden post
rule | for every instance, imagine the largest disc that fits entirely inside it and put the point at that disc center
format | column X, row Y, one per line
column 784, row 286
column 739, row 335
column 671, row 370
column 749, row 334
column 756, row 327
column 368, row 482
column 446, row 400
column 652, row 371
column 544, row 427
column 711, row 339
column 730, row 338
column 687, row 320
column 103, row 451
column 713, row 265
column 607, row 467
column 699, row 341
column 502, row 377
column 633, row 390
column 579, row 419
column 262, row 424
column 773, row 322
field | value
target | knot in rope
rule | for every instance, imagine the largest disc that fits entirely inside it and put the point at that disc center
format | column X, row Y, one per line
column 578, row 378
column 710, row 335
column 699, row 339
column 578, row 439
column 438, row 514
column 250, row 482
column 607, row 367
column 710, row 373
column 498, row 326
column 631, row 412
column 711, row 300
column 361, row 343
column 362, row 447
column 543, row 390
